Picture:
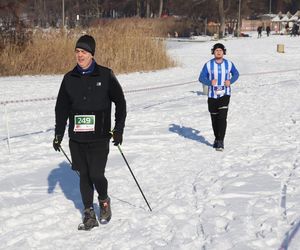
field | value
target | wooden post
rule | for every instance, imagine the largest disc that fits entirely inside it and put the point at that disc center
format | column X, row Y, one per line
column 7, row 128
column 280, row 48
column 205, row 89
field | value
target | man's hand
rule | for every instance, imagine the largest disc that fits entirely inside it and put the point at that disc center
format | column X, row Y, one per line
column 227, row 83
column 214, row 82
column 117, row 138
column 56, row 142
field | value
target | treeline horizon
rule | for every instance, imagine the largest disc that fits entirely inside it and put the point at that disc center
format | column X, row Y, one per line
column 46, row 13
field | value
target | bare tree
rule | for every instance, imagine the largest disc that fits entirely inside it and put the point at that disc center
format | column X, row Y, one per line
column 222, row 14
column 282, row 5
column 138, row 8
column 222, row 11
column 161, row 5
column 48, row 12
column 148, row 8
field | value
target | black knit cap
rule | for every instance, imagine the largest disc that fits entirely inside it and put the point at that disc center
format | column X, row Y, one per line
column 218, row 46
column 87, row 43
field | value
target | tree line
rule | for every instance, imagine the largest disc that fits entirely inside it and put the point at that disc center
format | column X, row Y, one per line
column 50, row 13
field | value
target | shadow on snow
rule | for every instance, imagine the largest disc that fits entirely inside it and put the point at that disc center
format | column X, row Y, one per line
column 68, row 181
column 198, row 93
column 189, row 133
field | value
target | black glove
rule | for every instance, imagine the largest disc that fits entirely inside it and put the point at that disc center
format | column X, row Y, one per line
column 117, row 138
column 56, row 142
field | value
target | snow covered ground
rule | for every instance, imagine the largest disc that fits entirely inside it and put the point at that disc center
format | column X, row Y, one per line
column 246, row 197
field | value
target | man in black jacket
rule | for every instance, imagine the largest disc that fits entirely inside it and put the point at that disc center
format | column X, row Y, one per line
column 85, row 98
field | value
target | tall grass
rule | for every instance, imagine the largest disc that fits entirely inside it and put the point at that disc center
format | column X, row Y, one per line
column 123, row 45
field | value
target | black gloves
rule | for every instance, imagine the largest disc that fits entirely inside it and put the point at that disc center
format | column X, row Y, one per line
column 117, row 137
column 56, row 142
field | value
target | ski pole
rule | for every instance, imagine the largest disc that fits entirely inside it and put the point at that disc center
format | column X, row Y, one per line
column 134, row 177
column 68, row 159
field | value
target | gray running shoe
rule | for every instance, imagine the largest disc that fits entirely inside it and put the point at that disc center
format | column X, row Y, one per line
column 105, row 211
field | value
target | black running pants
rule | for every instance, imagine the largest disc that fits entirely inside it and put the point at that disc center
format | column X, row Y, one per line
column 90, row 160
column 218, row 109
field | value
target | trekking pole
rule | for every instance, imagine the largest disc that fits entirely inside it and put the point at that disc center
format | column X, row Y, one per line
column 134, row 177
column 68, row 159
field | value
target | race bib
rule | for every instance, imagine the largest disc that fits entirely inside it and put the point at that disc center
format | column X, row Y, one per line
column 84, row 123
column 219, row 90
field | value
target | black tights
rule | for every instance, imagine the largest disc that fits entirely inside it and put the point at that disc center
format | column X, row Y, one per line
column 90, row 160
column 218, row 109
column 219, row 123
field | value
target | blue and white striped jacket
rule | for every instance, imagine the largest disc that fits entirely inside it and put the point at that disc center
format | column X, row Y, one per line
column 221, row 72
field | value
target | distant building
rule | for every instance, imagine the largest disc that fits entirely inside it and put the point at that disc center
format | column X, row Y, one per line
column 278, row 23
column 262, row 20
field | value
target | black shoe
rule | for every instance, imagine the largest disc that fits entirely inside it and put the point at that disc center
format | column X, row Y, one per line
column 220, row 145
column 89, row 220
column 105, row 211
column 215, row 143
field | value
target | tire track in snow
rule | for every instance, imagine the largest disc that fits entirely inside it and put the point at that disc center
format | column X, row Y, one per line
column 200, row 228
column 290, row 174
column 284, row 188
column 207, row 189
column 295, row 225
column 289, row 235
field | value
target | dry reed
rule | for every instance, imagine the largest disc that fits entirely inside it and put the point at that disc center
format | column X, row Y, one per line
column 124, row 45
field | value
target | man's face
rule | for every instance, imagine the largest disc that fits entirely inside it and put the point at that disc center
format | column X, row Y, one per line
column 218, row 53
column 83, row 58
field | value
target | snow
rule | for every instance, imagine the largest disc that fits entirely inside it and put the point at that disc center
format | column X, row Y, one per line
column 246, row 197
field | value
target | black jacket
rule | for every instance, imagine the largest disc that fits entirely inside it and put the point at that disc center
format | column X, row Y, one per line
column 90, row 94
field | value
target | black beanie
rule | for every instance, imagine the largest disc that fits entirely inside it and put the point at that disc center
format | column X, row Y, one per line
column 87, row 43
column 218, row 46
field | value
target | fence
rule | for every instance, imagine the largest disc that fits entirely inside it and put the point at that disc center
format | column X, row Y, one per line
column 6, row 103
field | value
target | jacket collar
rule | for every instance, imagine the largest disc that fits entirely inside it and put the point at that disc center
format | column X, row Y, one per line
column 89, row 70
column 94, row 72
